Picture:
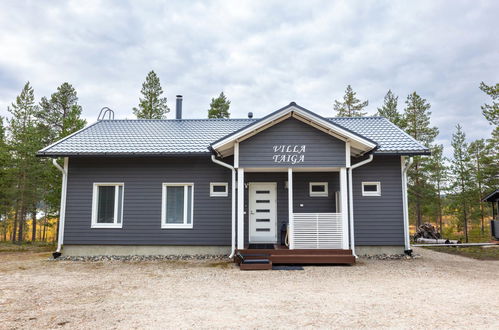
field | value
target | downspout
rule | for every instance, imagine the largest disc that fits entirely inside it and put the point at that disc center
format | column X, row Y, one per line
column 405, row 168
column 62, row 210
column 350, row 204
column 233, row 197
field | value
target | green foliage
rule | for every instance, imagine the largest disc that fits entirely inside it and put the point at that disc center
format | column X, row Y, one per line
column 461, row 169
column 351, row 105
column 219, row 107
column 61, row 114
column 491, row 111
column 151, row 104
column 389, row 110
column 438, row 176
column 417, row 124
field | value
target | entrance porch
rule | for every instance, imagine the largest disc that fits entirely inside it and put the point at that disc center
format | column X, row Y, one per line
column 292, row 216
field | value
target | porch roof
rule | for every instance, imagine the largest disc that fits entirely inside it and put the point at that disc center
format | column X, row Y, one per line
column 139, row 137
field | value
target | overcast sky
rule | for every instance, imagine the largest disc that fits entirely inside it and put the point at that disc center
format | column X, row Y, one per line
column 262, row 54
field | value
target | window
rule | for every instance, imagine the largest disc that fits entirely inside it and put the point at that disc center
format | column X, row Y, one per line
column 318, row 189
column 371, row 189
column 107, row 205
column 177, row 205
column 219, row 189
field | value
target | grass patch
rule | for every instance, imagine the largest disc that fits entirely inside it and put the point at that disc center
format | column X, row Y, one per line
column 475, row 252
column 221, row 264
column 26, row 247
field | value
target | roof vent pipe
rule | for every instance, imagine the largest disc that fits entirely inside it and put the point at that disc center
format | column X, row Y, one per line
column 250, row 115
column 178, row 111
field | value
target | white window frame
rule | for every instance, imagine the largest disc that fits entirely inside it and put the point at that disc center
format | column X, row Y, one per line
column 183, row 225
column 218, row 193
column 371, row 193
column 324, row 193
column 95, row 201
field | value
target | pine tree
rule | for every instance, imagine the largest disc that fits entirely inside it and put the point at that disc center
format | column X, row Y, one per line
column 151, row 105
column 417, row 119
column 438, row 177
column 24, row 140
column 479, row 160
column 491, row 111
column 461, row 170
column 351, row 105
column 219, row 107
column 61, row 114
column 5, row 182
column 389, row 110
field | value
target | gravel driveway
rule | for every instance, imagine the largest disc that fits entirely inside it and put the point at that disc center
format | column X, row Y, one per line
column 435, row 291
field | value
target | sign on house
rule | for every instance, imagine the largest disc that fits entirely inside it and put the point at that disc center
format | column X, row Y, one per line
column 289, row 153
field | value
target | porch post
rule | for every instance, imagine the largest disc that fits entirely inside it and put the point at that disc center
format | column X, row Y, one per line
column 344, row 207
column 291, row 226
column 240, row 208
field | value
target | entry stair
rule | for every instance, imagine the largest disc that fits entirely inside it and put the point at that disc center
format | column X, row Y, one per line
column 263, row 259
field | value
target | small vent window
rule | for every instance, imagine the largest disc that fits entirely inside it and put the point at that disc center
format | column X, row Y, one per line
column 371, row 189
column 318, row 189
column 219, row 189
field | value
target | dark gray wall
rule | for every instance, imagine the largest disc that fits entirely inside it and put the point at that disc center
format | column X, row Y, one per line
column 379, row 220
column 300, row 194
column 143, row 178
column 322, row 150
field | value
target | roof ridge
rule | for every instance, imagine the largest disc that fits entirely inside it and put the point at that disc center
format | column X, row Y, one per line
column 183, row 119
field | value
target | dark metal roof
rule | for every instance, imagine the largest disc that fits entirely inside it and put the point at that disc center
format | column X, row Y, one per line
column 492, row 197
column 142, row 137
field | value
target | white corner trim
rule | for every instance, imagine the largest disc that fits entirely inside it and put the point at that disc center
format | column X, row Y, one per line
column 236, row 154
column 95, row 196
column 371, row 193
column 219, row 193
column 183, row 225
column 240, row 208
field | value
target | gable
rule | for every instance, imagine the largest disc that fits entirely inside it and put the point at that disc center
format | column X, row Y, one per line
column 292, row 143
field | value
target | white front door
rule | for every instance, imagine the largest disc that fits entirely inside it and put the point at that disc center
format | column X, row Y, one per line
column 262, row 212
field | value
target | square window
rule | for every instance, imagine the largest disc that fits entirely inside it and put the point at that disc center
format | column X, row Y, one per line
column 177, row 205
column 219, row 189
column 371, row 189
column 107, row 205
column 318, row 189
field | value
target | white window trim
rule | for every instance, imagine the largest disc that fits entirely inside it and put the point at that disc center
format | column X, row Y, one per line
column 184, row 225
column 95, row 197
column 217, row 193
column 324, row 193
column 371, row 193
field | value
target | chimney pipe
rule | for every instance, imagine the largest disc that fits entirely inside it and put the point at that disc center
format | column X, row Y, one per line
column 178, row 114
column 250, row 115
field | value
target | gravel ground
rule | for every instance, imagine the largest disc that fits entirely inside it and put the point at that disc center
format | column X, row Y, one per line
column 434, row 291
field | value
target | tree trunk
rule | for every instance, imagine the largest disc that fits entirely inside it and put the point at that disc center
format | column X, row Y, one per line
column 22, row 220
column 33, row 230
column 14, row 226
column 465, row 214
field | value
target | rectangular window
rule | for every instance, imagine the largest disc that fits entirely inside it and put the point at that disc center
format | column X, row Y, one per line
column 371, row 189
column 219, row 189
column 177, row 206
column 318, row 189
column 107, row 205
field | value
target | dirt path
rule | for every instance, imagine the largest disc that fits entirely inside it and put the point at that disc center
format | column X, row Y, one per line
column 453, row 291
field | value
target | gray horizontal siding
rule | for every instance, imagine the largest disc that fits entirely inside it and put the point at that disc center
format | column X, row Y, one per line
column 379, row 219
column 322, row 150
column 143, row 178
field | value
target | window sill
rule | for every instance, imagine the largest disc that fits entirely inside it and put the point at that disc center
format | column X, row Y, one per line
column 319, row 195
column 371, row 195
column 176, row 226
column 100, row 226
column 223, row 195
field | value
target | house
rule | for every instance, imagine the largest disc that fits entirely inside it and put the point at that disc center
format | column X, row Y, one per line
column 493, row 198
column 290, row 181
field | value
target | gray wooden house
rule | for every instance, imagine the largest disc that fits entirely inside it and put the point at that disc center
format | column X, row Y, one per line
column 293, row 183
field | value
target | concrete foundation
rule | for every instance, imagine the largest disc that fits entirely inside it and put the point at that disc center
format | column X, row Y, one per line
column 379, row 249
column 142, row 250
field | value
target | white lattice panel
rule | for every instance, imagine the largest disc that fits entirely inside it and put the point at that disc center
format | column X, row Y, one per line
column 317, row 231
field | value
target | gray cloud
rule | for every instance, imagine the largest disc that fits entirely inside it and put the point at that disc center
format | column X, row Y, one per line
column 262, row 54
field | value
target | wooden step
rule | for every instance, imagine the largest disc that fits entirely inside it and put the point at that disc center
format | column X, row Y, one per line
column 312, row 259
